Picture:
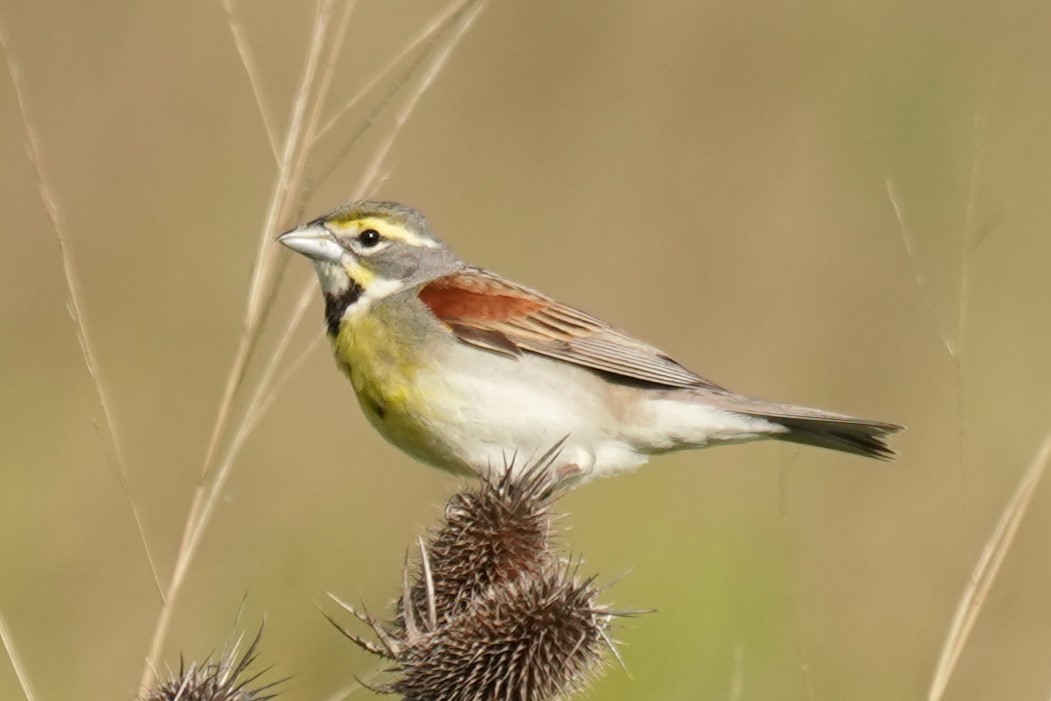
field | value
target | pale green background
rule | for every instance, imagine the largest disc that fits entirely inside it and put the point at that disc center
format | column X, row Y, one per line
column 709, row 175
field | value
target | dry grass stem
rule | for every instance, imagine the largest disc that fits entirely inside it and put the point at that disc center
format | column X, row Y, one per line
column 257, row 406
column 261, row 399
column 440, row 24
column 375, row 166
column 12, row 654
column 437, row 24
column 316, row 107
column 967, row 249
column 291, row 369
column 308, row 105
column 371, row 175
column 244, row 50
column 207, row 497
column 73, row 304
column 199, row 515
column 292, row 153
column 280, row 196
column 985, row 571
column 917, row 266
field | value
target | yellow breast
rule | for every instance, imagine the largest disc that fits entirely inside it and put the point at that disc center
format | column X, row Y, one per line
column 379, row 363
column 383, row 355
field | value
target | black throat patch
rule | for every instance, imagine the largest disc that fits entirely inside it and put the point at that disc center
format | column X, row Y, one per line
column 336, row 305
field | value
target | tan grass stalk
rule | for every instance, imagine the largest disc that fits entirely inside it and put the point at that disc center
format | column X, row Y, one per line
column 917, row 267
column 244, row 50
column 261, row 399
column 262, row 396
column 293, row 160
column 261, row 267
column 12, row 654
column 375, row 166
column 256, row 408
column 437, row 24
column 198, row 515
column 285, row 184
column 73, row 304
column 985, row 571
column 320, row 95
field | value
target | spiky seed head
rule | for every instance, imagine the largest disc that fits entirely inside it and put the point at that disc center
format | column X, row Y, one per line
column 489, row 610
column 492, row 533
column 538, row 637
column 225, row 679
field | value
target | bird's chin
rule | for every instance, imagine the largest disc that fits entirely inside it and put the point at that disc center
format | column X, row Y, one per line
column 332, row 277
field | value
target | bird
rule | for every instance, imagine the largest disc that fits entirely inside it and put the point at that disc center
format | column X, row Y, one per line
column 461, row 368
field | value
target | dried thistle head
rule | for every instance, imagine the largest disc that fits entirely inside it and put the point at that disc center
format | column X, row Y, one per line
column 541, row 636
column 490, row 611
column 489, row 534
column 225, row 679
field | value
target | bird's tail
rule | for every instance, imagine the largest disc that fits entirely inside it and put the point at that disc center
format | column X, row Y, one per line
column 823, row 429
column 858, row 436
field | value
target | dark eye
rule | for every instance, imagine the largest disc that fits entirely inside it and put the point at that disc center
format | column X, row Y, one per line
column 369, row 238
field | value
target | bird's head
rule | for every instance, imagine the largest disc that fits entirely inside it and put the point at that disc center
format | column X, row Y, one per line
column 373, row 248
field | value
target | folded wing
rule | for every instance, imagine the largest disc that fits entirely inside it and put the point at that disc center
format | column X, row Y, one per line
column 492, row 313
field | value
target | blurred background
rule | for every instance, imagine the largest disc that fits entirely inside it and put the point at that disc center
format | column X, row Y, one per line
column 712, row 176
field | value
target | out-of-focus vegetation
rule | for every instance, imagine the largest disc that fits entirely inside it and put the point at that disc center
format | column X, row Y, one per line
column 712, row 176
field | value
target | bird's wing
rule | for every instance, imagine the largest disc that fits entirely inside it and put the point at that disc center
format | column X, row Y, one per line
column 487, row 311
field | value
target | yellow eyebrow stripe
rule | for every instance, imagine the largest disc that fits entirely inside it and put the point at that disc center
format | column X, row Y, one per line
column 395, row 232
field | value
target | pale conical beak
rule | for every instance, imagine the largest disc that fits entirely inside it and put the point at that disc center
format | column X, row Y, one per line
column 313, row 242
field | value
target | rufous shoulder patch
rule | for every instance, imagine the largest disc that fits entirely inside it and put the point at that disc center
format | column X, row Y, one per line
column 466, row 298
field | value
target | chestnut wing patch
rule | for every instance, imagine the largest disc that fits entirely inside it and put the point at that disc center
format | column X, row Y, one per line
column 489, row 312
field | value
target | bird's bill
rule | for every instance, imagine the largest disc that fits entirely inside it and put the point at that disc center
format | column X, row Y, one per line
column 313, row 242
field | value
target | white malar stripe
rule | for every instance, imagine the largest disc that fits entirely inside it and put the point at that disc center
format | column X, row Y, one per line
column 374, row 292
column 382, row 287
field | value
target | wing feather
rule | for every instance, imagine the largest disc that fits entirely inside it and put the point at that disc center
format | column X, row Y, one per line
column 489, row 312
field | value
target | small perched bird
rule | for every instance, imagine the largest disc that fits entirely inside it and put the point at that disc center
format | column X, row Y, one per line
column 461, row 368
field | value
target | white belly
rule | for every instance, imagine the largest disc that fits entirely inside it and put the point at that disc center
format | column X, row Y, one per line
column 488, row 410
column 493, row 410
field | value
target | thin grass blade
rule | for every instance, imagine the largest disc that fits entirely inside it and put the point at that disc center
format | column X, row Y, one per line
column 244, row 50
column 16, row 660
column 985, row 571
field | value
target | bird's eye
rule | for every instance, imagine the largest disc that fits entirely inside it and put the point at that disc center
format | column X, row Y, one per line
column 369, row 238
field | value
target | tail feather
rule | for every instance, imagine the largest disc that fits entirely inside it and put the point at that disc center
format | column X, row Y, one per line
column 824, row 429
column 856, row 436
